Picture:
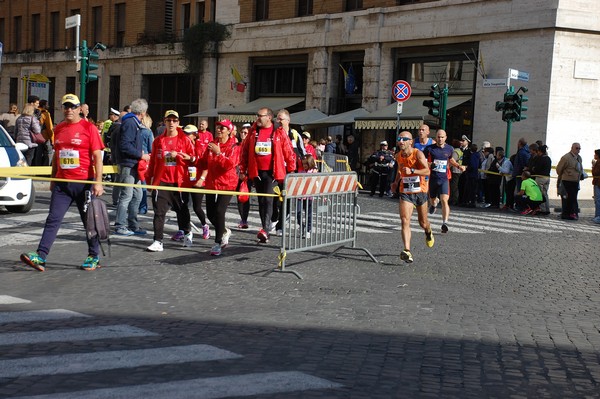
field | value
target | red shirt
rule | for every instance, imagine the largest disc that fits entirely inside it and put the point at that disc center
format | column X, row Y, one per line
column 165, row 168
column 74, row 145
column 263, row 148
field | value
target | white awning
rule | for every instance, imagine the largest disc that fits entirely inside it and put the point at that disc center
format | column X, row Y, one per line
column 344, row 118
column 247, row 112
column 413, row 114
column 209, row 113
column 307, row 116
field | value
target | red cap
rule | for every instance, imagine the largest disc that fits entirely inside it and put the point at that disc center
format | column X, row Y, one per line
column 226, row 123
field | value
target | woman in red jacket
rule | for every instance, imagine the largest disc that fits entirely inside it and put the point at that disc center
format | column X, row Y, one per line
column 220, row 159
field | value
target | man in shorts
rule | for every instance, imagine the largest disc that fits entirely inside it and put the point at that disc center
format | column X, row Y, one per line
column 439, row 158
column 412, row 186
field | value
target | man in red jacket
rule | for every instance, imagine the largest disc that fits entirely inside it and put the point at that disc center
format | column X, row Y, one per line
column 172, row 153
column 266, row 156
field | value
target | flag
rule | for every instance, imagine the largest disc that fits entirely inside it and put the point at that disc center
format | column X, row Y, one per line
column 349, row 80
column 237, row 82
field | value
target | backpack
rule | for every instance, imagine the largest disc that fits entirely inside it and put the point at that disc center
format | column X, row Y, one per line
column 97, row 224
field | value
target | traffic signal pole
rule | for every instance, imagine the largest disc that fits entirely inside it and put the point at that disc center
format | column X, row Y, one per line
column 83, row 71
column 444, row 106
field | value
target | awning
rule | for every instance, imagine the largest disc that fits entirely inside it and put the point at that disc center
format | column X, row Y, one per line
column 413, row 113
column 247, row 112
column 344, row 118
column 307, row 116
column 208, row 113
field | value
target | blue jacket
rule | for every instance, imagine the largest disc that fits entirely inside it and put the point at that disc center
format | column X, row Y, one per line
column 521, row 160
column 130, row 141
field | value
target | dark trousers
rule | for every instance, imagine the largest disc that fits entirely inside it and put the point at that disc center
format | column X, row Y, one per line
column 523, row 202
column 492, row 192
column 471, row 190
column 196, row 205
column 244, row 207
column 304, row 206
column 569, row 203
column 63, row 195
column 264, row 183
column 216, row 207
column 510, row 192
column 162, row 202
column 378, row 179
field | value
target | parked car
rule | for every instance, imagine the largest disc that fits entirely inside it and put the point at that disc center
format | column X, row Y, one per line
column 16, row 195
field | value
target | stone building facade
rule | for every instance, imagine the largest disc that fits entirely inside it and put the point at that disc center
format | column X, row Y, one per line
column 304, row 44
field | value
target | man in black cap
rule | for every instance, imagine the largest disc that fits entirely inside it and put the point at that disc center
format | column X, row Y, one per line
column 464, row 147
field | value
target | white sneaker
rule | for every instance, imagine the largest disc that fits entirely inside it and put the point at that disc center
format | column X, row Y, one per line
column 307, row 235
column 188, row 239
column 225, row 238
column 156, row 246
column 279, row 233
column 272, row 227
column 215, row 250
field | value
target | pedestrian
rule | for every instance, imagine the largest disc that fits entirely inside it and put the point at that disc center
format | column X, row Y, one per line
column 570, row 172
column 26, row 124
column 596, row 184
column 439, row 159
column 244, row 207
column 412, row 186
column 266, row 156
column 541, row 170
column 380, row 164
column 304, row 206
column 221, row 159
column 465, row 142
column 130, row 152
column 424, row 140
column 9, row 120
column 521, row 160
column 147, row 140
column 78, row 156
column 172, row 154
column 43, row 152
column 529, row 198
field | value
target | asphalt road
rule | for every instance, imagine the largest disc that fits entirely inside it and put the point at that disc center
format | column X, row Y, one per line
column 502, row 306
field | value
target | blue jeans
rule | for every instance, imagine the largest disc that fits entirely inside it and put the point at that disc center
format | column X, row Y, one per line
column 597, row 201
column 129, row 199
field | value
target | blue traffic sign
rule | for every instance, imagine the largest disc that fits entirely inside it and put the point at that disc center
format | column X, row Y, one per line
column 401, row 91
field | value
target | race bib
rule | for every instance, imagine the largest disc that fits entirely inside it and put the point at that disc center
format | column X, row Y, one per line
column 411, row 184
column 263, row 148
column 68, row 159
column 192, row 171
column 440, row 165
column 169, row 160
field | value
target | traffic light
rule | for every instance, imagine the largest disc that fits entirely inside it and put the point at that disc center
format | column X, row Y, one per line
column 435, row 104
column 83, row 63
column 520, row 108
column 92, row 58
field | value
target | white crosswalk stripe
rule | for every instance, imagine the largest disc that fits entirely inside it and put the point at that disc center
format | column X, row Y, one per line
column 73, row 363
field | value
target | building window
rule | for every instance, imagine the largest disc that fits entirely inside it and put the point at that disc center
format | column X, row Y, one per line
column 352, row 5
column 185, row 17
column 262, row 10
column 114, row 92
column 74, row 43
column 97, row 24
column 200, row 10
column 120, row 24
column 17, row 32
column 179, row 92
column 2, row 27
column 70, row 84
column 35, row 32
column 54, row 29
column 305, row 7
column 282, row 80
column 13, row 91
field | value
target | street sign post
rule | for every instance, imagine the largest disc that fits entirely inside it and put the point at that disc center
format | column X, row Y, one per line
column 401, row 92
column 74, row 21
column 518, row 75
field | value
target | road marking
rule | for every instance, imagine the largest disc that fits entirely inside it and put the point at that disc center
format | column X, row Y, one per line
column 206, row 388
column 38, row 315
column 74, row 334
column 7, row 300
column 84, row 362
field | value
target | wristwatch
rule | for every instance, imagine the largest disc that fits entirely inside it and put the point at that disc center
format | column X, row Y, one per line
column 412, row 170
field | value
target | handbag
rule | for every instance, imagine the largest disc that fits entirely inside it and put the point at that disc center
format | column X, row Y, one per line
column 243, row 188
column 37, row 138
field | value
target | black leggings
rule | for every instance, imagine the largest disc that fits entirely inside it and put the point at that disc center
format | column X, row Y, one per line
column 264, row 183
column 196, row 205
column 216, row 207
column 162, row 202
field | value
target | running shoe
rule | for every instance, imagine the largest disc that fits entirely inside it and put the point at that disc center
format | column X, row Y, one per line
column 429, row 240
column 596, row 219
column 272, row 227
column 156, row 246
column 139, row 231
column 527, row 211
column 90, row 263
column 215, row 250
column 431, row 209
column 444, row 228
column 279, row 233
column 242, row 224
column 178, row 236
column 188, row 239
column 574, row 216
column 225, row 238
column 535, row 211
column 205, row 232
column 123, row 231
column 406, row 256
column 262, row 236
column 34, row 260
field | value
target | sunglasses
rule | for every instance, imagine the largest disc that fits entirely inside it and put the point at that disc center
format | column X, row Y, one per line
column 404, row 139
column 70, row 106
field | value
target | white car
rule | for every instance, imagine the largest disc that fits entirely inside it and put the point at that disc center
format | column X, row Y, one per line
column 16, row 195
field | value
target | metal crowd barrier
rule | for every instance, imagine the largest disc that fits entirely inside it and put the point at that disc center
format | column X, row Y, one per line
column 321, row 211
column 333, row 163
